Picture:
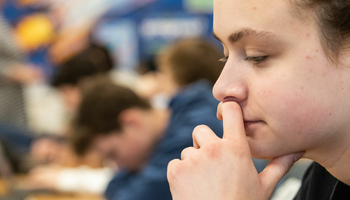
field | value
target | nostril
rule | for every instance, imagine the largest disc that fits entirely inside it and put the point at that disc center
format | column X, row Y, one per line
column 230, row 98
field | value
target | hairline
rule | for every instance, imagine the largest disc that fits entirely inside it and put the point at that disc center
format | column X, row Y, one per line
column 300, row 10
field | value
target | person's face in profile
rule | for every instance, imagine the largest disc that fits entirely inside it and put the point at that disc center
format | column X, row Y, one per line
column 131, row 146
column 292, row 97
column 71, row 96
column 126, row 150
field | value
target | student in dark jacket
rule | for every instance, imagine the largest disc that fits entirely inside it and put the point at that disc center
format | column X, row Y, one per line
column 142, row 140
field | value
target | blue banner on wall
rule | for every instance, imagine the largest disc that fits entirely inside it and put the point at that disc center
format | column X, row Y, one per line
column 142, row 31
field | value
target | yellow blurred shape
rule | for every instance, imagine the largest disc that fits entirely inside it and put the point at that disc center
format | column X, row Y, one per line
column 27, row 2
column 34, row 31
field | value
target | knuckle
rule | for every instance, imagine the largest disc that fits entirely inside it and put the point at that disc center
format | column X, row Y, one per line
column 185, row 152
column 173, row 169
column 200, row 128
column 213, row 149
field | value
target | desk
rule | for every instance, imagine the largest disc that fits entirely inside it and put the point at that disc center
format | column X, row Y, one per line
column 64, row 197
column 53, row 196
column 3, row 188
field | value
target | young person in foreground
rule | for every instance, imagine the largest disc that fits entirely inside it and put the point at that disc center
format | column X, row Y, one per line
column 284, row 94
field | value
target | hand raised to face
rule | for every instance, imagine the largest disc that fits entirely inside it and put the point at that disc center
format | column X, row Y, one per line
column 216, row 168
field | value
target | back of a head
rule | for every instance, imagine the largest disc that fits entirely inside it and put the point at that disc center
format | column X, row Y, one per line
column 102, row 103
column 93, row 60
column 191, row 60
column 100, row 56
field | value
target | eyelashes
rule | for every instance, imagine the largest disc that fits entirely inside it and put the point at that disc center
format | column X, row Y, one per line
column 224, row 59
column 254, row 60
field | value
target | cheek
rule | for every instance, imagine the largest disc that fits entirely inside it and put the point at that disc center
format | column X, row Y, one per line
column 130, row 157
column 130, row 150
column 295, row 111
column 299, row 101
column 103, row 147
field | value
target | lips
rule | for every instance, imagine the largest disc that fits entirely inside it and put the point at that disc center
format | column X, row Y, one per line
column 249, row 121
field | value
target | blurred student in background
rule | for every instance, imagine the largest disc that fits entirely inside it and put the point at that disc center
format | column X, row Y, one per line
column 65, row 173
column 95, row 59
column 15, row 73
column 72, row 172
column 142, row 140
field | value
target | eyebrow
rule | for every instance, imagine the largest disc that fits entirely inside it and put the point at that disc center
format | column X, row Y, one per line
column 236, row 36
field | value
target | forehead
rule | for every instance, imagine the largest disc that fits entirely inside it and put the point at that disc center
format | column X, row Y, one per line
column 261, row 15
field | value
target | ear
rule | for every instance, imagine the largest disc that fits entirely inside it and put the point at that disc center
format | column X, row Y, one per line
column 131, row 120
column 72, row 96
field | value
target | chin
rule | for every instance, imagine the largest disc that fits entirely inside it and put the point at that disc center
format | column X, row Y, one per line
column 264, row 147
column 268, row 154
column 265, row 153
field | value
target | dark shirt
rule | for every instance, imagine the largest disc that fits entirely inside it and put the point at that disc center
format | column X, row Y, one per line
column 319, row 184
column 192, row 106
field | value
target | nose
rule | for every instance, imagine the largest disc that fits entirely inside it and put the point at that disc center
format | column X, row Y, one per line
column 231, row 85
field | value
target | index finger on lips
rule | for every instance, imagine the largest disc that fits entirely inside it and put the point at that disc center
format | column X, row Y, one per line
column 231, row 114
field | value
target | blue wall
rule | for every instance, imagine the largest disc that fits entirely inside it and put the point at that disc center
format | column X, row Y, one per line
column 136, row 32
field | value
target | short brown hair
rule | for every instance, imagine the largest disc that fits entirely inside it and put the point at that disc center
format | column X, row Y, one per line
column 191, row 60
column 95, row 59
column 333, row 18
column 102, row 103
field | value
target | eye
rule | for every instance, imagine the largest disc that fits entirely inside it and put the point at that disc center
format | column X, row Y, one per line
column 224, row 59
column 256, row 60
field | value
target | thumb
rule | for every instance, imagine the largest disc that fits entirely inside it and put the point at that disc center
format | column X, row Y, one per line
column 276, row 169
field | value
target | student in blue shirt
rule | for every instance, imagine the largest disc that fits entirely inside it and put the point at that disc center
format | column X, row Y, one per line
column 142, row 140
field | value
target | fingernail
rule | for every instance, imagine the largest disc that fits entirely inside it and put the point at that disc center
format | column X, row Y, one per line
column 298, row 156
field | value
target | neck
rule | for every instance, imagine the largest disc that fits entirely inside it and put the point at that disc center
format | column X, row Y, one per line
column 159, row 122
column 335, row 157
column 154, row 123
column 334, row 152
